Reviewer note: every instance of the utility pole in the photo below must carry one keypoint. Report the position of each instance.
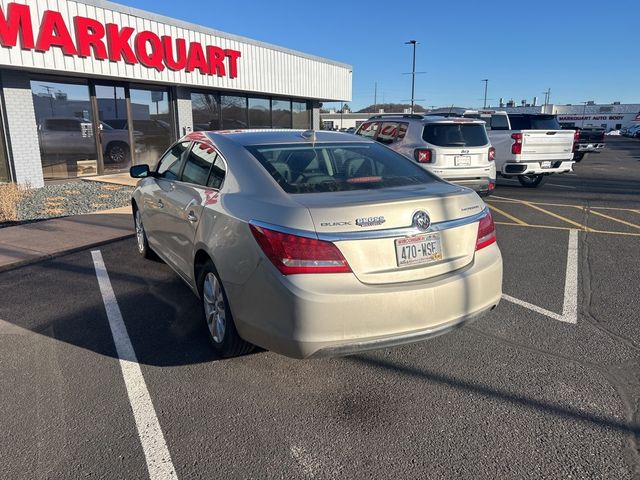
(413, 72)
(375, 97)
(486, 85)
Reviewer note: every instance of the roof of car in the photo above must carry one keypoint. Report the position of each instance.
(262, 137)
(429, 118)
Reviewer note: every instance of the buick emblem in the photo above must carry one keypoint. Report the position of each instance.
(421, 220)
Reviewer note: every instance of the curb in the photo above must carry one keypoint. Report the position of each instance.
(31, 261)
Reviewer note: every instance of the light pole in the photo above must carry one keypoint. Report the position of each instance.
(486, 84)
(413, 72)
(584, 113)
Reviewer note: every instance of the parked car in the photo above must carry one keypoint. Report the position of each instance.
(529, 146)
(631, 130)
(316, 243)
(590, 139)
(455, 149)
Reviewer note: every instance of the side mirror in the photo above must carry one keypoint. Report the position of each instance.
(140, 171)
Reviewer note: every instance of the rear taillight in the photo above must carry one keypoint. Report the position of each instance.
(486, 232)
(516, 148)
(422, 155)
(293, 254)
(576, 140)
(492, 154)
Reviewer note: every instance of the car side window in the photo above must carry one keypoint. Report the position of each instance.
(198, 164)
(217, 174)
(169, 165)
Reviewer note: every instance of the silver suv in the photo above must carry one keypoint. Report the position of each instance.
(455, 149)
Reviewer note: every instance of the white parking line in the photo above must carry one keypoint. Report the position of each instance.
(155, 449)
(563, 186)
(570, 302)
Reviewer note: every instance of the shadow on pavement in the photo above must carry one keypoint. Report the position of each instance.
(557, 410)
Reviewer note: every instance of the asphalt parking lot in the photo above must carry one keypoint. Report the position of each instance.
(547, 386)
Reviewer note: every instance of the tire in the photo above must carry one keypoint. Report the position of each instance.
(578, 156)
(531, 181)
(141, 236)
(221, 330)
(117, 152)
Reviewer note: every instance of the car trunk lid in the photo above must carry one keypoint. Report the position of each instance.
(371, 229)
(547, 144)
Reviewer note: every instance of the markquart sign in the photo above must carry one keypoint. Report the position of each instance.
(113, 43)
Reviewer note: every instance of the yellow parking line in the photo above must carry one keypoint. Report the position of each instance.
(549, 227)
(559, 217)
(616, 219)
(512, 200)
(508, 215)
(533, 226)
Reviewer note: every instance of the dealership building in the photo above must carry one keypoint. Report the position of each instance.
(90, 87)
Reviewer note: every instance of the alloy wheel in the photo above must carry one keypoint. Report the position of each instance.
(139, 232)
(214, 307)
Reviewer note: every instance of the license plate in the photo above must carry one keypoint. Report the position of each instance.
(418, 249)
(462, 160)
(545, 164)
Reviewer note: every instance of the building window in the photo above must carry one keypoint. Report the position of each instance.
(281, 113)
(65, 129)
(206, 111)
(234, 112)
(259, 113)
(151, 124)
(301, 115)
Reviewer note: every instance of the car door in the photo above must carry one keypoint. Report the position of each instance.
(154, 196)
(184, 205)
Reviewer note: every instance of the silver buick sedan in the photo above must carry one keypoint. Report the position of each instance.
(316, 243)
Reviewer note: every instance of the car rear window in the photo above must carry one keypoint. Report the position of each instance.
(338, 167)
(535, 122)
(455, 134)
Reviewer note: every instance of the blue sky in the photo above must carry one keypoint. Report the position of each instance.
(582, 50)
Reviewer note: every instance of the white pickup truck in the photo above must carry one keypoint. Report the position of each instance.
(528, 146)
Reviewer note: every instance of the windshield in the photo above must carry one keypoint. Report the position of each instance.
(455, 134)
(338, 167)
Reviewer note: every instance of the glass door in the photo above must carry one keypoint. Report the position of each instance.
(113, 126)
(151, 122)
(65, 129)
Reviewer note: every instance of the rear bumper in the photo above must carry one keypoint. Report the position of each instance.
(478, 179)
(589, 147)
(535, 168)
(304, 316)
(479, 185)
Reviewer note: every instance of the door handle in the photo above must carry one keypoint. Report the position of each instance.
(192, 217)
(160, 204)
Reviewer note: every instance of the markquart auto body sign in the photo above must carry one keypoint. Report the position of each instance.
(96, 38)
(111, 42)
